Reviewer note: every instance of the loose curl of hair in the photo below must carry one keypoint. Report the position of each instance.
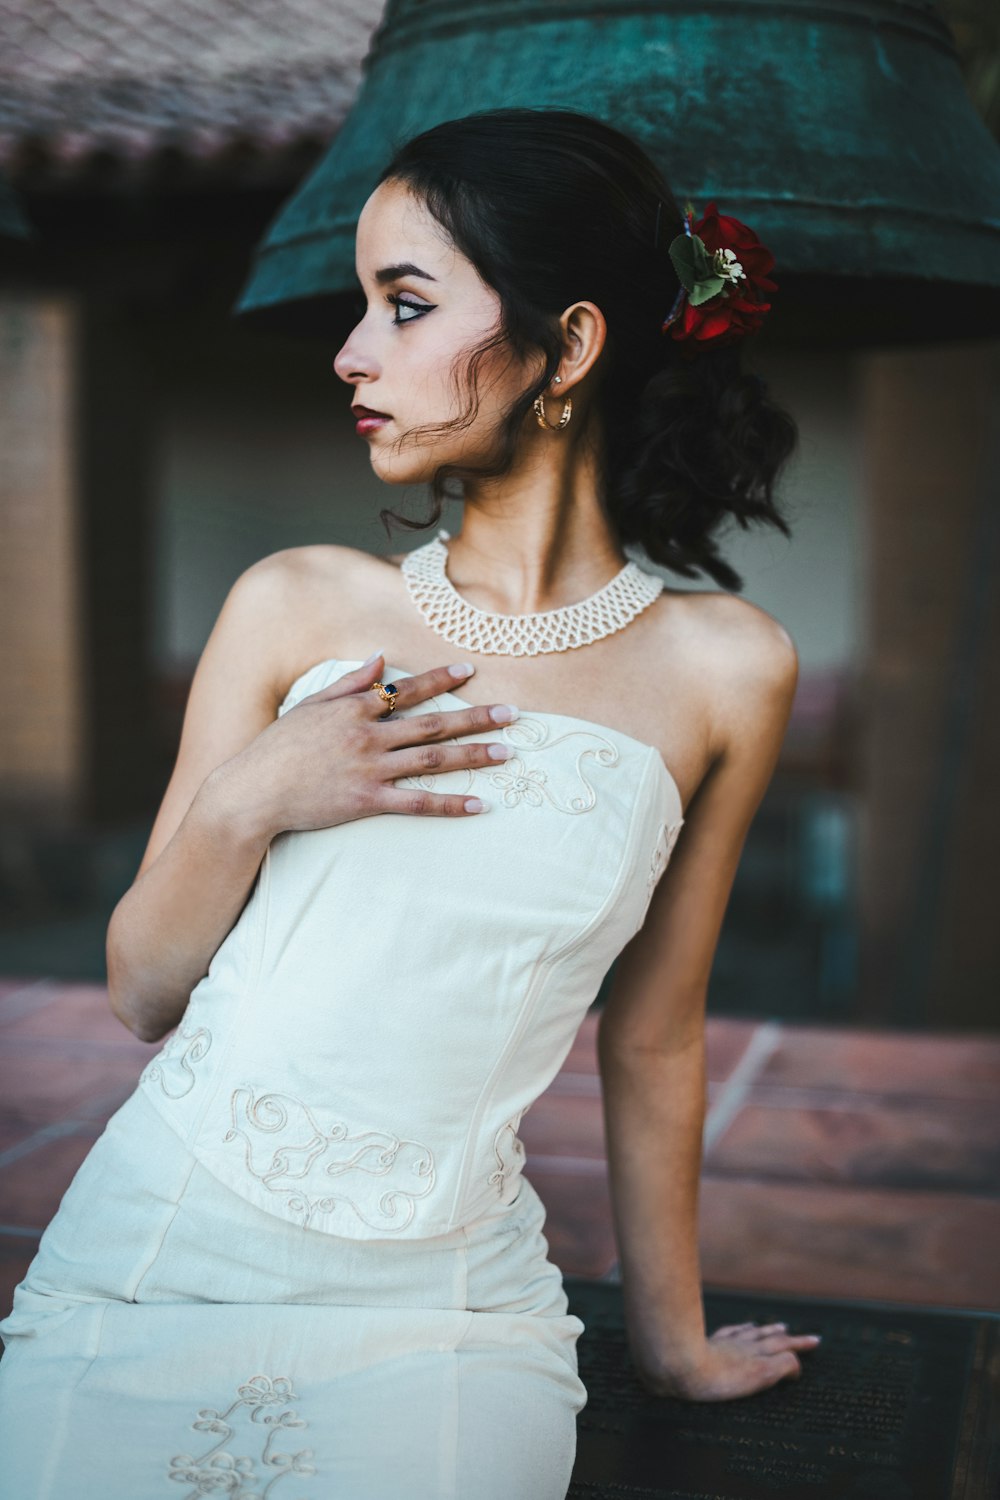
(552, 207)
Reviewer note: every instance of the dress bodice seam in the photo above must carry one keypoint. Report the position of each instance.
(543, 973)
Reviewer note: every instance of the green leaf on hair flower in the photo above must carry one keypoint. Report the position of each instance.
(704, 264)
(682, 259)
(705, 290)
(694, 266)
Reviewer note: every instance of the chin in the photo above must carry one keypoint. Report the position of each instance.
(396, 469)
(410, 467)
(412, 464)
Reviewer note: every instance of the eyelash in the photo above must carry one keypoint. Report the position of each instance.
(401, 302)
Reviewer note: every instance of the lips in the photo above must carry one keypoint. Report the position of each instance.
(367, 411)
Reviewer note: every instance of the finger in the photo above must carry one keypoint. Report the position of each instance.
(760, 1330)
(415, 803)
(749, 1332)
(434, 759)
(421, 685)
(353, 681)
(444, 724)
(789, 1366)
(730, 1328)
(777, 1341)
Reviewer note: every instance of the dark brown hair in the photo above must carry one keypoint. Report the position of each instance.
(552, 207)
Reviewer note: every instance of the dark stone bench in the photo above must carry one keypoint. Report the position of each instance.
(896, 1403)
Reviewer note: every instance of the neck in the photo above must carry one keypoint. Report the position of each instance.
(543, 543)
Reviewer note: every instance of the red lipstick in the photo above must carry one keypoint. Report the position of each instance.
(368, 419)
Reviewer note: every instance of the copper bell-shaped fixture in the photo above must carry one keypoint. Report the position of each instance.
(842, 133)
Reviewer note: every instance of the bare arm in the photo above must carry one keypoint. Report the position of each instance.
(168, 926)
(206, 845)
(242, 776)
(654, 1111)
(651, 1044)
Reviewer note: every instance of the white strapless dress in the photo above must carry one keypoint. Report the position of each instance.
(303, 1260)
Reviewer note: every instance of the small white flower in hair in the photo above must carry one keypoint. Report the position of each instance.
(726, 265)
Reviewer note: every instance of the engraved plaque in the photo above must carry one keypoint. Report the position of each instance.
(896, 1403)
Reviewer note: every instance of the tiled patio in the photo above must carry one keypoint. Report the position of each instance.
(842, 1163)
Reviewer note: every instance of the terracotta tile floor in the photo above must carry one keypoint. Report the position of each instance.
(837, 1163)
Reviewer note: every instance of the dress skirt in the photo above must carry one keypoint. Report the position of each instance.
(170, 1339)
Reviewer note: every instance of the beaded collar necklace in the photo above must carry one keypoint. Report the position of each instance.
(612, 608)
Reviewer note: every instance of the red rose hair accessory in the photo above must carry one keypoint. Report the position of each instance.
(722, 267)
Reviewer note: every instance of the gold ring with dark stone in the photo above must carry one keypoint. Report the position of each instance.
(387, 692)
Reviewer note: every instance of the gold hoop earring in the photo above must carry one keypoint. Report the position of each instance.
(563, 421)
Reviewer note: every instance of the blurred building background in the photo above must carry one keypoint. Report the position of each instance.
(152, 446)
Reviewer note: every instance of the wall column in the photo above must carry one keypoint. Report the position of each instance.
(42, 715)
(931, 725)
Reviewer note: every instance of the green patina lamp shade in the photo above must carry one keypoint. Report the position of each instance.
(843, 134)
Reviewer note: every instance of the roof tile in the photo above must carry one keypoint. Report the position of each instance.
(130, 78)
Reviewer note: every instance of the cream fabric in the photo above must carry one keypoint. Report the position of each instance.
(399, 990)
(168, 1330)
(304, 1253)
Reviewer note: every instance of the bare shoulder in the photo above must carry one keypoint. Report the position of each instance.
(323, 569)
(317, 562)
(745, 638)
(747, 660)
(308, 595)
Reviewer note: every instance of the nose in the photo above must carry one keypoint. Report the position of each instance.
(351, 365)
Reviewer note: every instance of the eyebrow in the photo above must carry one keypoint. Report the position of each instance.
(406, 268)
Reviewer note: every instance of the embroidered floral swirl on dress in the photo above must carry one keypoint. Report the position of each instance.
(518, 783)
(218, 1471)
(514, 1147)
(298, 1166)
(666, 838)
(175, 1064)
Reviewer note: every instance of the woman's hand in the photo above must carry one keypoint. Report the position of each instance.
(736, 1360)
(334, 756)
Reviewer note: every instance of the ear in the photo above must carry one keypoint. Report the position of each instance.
(584, 334)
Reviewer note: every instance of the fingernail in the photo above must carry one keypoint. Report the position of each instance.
(461, 669)
(374, 656)
(503, 713)
(475, 804)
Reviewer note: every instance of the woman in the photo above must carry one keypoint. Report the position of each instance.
(304, 1250)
